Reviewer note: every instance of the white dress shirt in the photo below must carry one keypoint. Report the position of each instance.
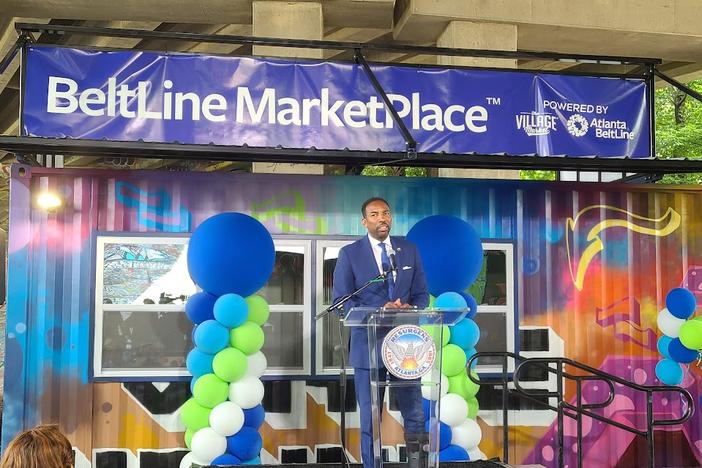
(377, 251)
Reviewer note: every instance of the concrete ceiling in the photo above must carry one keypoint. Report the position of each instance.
(666, 29)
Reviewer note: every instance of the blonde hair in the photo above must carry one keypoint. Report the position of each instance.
(41, 447)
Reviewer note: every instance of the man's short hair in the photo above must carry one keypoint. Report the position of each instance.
(371, 200)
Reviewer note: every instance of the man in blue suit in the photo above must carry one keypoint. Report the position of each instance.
(405, 288)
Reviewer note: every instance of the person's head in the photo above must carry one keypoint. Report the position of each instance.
(41, 447)
(377, 218)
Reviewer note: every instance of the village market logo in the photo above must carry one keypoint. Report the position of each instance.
(408, 352)
(536, 123)
(577, 125)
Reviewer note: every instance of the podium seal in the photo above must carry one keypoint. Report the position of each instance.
(408, 352)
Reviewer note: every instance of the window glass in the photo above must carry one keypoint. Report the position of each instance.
(284, 340)
(146, 273)
(493, 336)
(137, 340)
(286, 284)
(490, 287)
(329, 328)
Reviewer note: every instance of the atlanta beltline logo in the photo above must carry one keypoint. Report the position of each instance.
(578, 123)
(408, 352)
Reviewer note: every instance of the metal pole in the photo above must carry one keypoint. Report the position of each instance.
(505, 414)
(559, 385)
(579, 420)
(649, 430)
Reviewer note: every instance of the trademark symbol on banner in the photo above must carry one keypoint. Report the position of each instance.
(493, 101)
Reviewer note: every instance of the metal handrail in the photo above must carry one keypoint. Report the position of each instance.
(579, 409)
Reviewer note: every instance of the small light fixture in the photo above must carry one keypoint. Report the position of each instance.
(48, 201)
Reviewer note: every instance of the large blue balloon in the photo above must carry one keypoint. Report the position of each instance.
(231, 253)
(451, 252)
(199, 307)
(444, 434)
(680, 353)
(681, 303)
(453, 453)
(211, 337)
(245, 444)
(254, 417)
(663, 344)
(669, 372)
(471, 303)
(465, 334)
(231, 310)
(199, 363)
(226, 459)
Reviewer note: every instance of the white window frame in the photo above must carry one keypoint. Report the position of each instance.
(507, 309)
(170, 372)
(306, 244)
(100, 308)
(319, 287)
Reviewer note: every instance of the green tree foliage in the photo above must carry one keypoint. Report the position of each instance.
(679, 129)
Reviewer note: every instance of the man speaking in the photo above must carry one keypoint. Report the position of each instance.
(404, 287)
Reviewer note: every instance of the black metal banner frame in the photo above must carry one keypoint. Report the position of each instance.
(22, 145)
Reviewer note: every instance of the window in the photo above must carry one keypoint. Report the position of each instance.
(494, 292)
(328, 343)
(142, 284)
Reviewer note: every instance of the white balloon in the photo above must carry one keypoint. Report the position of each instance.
(208, 445)
(226, 418)
(669, 324)
(468, 435)
(428, 388)
(256, 364)
(476, 454)
(246, 392)
(188, 460)
(454, 409)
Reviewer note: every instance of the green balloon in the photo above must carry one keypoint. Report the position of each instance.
(258, 309)
(434, 332)
(189, 437)
(247, 338)
(210, 390)
(691, 334)
(457, 383)
(432, 299)
(194, 416)
(229, 364)
(471, 388)
(453, 360)
(472, 408)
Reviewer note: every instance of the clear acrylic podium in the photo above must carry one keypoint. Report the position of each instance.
(408, 353)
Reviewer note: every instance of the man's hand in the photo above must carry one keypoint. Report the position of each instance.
(397, 305)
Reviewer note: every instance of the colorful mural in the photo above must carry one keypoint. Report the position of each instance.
(594, 263)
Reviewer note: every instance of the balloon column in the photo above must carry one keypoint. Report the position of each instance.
(452, 256)
(681, 341)
(230, 256)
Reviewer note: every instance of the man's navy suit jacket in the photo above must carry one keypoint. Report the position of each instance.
(356, 265)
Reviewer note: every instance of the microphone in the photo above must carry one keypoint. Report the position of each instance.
(391, 257)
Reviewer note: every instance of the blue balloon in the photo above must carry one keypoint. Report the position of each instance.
(453, 453)
(231, 310)
(199, 363)
(254, 417)
(231, 253)
(681, 303)
(450, 300)
(245, 444)
(253, 461)
(663, 344)
(669, 372)
(444, 434)
(199, 307)
(451, 252)
(426, 407)
(680, 353)
(465, 334)
(211, 337)
(226, 459)
(471, 303)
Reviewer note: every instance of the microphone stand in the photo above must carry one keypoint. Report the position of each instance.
(338, 307)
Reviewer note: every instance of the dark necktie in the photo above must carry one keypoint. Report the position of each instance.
(385, 264)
